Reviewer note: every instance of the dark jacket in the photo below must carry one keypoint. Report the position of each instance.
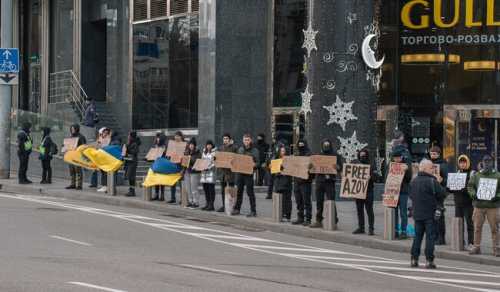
(320, 178)
(46, 145)
(90, 115)
(373, 173)
(263, 148)
(251, 151)
(133, 149)
(24, 141)
(462, 197)
(194, 155)
(303, 151)
(425, 194)
(76, 133)
(474, 184)
(282, 183)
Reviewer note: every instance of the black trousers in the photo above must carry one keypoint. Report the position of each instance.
(287, 204)
(131, 173)
(23, 167)
(160, 191)
(324, 189)
(440, 230)
(245, 181)
(209, 190)
(46, 171)
(367, 204)
(303, 199)
(465, 211)
(271, 185)
(223, 185)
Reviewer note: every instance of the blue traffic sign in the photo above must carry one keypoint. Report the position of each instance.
(9, 60)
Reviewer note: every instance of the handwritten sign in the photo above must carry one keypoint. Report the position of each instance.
(487, 189)
(393, 184)
(242, 164)
(355, 179)
(175, 150)
(185, 160)
(323, 164)
(201, 164)
(69, 144)
(275, 166)
(456, 181)
(155, 153)
(296, 166)
(223, 159)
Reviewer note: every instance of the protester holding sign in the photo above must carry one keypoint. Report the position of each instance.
(302, 190)
(131, 161)
(463, 201)
(361, 204)
(103, 139)
(437, 160)
(76, 172)
(208, 176)
(402, 207)
(484, 189)
(160, 143)
(226, 176)
(246, 180)
(192, 176)
(178, 137)
(283, 185)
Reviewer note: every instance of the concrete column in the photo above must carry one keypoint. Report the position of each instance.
(457, 234)
(389, 223)
(44, 56)
(111, 184)
(277, 207)
(147, 193)
(330, 214)
(184, 196)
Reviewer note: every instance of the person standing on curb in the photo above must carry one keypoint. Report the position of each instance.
(192, 176)
(76, 172)
(426, 193)
(25, 146)
(47, 149)
(246, 180)
(178, 137)
(103, 140)
(208, 176)
(435, 155)
(283, 186)
(484, 208)
(263, 148)
(270, 154)
(364, 158)
(131, 161)
(302, 190)
(160, 142)
(398, 156)
(227, 177)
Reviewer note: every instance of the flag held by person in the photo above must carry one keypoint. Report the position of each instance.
(163, 173)
(107, 159)
(77, 157)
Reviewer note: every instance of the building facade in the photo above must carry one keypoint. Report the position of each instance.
(342, 70)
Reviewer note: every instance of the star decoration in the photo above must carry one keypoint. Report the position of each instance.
(306, 101)
(349, 147)
(310, 39)
(340, 113)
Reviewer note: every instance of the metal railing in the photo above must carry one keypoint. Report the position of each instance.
(66, 88)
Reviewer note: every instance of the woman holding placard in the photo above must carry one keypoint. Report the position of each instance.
(283, 186)
(208, 176)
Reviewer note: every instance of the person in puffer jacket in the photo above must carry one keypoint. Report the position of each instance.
(208, 176)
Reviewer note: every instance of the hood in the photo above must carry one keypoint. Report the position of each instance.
(398, 150)
(26, 127)
(327, 150)
(46, 131)
(466, 158)
(75, 130)
(303, 151)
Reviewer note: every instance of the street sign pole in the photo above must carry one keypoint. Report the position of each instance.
(5, 91)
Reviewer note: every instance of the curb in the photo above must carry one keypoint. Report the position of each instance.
(256, 223)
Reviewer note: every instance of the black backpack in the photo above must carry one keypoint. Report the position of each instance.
(53, 149)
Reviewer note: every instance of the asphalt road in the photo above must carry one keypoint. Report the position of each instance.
(50, 244)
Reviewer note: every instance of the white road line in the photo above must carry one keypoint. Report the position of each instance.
(346, 259)
(95, 287)
(458, 281)
(71, 240)
(207, 269)
(436, 271)
(249, 238)
(289, 248)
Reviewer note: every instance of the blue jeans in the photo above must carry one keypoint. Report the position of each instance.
(402, 210)
(424, 227)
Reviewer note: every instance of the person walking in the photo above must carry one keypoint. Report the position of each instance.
(485, 207)
(76, 172)
(283, 186)
(208, 176)
(435, 156)
(131, 161)
(47, 149)
(302, 190)
(325, 185)
(246, 180)
(399, 156)
(227, 176)
(178, 137)
(361, 205)
(426, 193)
(24, 148)
(192, 176)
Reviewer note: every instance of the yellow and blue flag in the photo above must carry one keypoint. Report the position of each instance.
(163, 173)
(107, 159)
(76, 157)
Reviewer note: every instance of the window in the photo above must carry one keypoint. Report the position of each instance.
(158, 8)
(140, 10)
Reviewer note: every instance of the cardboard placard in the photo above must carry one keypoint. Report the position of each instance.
(69, 144)
(323, 164)
(275, 166)
(185, 160)
(487, 189)
(242, 164)
(155, 153)
(456, 181)
(175, 150)
(223, 159)
(296, 166)
(355, 178)
(393, 184)
(201, 164)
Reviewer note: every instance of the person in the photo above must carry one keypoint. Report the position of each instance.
(160, 142)
(47, 149)
(426, 193)
(271, 153)
(485, 209)
(364, 158)
(402, 207)
(283, 186)
(435, 156)
(325, 185)
(227, 177)
(24, 148)
(208, 176)
(263, 148)
(246, 180)
(192, 176)
(463, 202)
(103, 140)
(76, 172)
(178, 137)
(131, 161)
(302, 190)
(90, 114)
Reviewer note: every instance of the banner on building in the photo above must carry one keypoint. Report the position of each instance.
(296, 166)
(456, 181)
(242, 164)
(223, 159)
(175, 150)
(323, 164)
(487, 189)
(393, 184)
(355, 178)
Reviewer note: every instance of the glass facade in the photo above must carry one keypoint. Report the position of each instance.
(165, 73)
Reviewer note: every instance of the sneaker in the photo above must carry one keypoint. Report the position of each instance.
(102, 190)
(306, 223)
(70, 187)
(403, 236)
(430, 264)
(210, 209)
(298, 222)
(235, 212)
(221, 210)
(43, 182)
(475, 250)
(316, 225)
(371, 232)
(285, 220)
(92, 186)
(359, 231)
(269, 197)
(171, 202)
(79, 188)
(205, 208)
(414, 262)
(252, 214)
(195, 205)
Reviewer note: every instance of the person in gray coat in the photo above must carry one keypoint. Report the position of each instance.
(208, 176)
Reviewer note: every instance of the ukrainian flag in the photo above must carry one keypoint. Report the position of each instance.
(107, 159)
(163, 173)
(76, 157)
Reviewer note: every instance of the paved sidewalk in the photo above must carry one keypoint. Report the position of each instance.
(346, 210)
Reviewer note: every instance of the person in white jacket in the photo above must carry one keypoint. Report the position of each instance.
(208, 176)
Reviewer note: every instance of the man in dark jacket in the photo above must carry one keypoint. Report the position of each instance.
(246, 180)
(76, 172)
(24, 148)
(302, 190)
(227, 177)
(263, 148)
(435, 155)
(90, 115)
(325, 185)
(426, 193)
(364, 158)
(131, 161)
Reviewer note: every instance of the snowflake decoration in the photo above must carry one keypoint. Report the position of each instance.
(340, 113)
(349, 147)
(306, 101)
(379, 162)
(310, 39)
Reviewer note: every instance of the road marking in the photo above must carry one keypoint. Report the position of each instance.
(71, 240)
(435, 271)
(207, 269)
(346, 259)
(458, 281)
(249, 238)
(102, 288)
(318, 250)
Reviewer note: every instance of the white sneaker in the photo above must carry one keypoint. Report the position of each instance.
(103, 190)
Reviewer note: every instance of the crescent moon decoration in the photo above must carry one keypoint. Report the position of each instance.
(369, 55)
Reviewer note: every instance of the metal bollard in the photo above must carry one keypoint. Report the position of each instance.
(184, 196)
(111, 184)
(147, 193)
(330, 211)
(457, 234)
(389, 223)
(277, 207)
